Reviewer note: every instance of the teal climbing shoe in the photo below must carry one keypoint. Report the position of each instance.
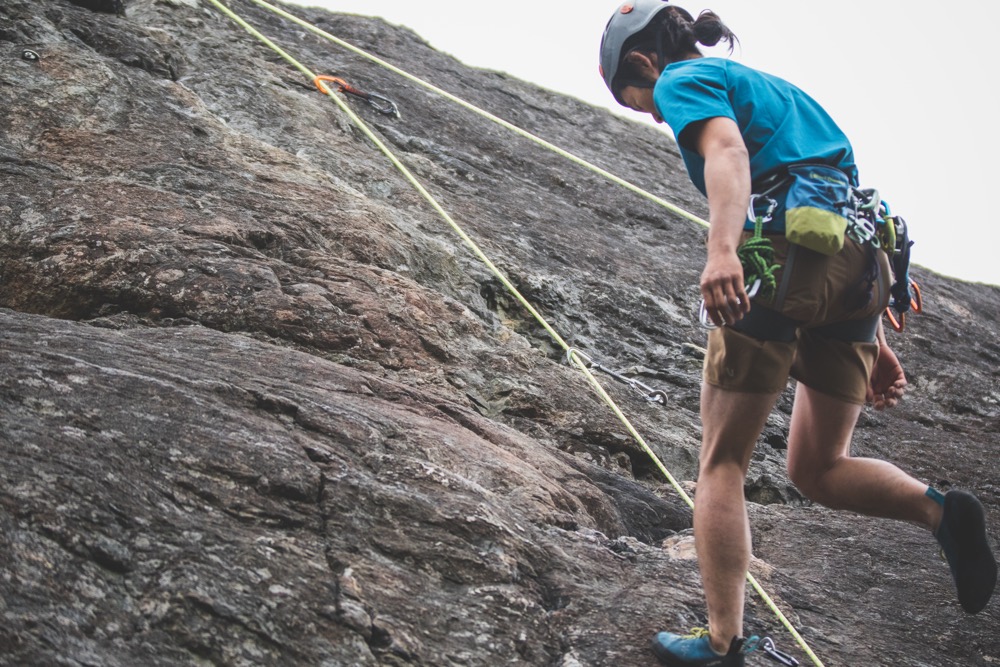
(962, 536)
(695, 650)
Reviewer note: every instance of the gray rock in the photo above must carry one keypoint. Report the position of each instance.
(260, 405)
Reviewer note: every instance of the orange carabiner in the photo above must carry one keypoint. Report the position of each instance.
(897, 325)
(318, 82)
(916, 301)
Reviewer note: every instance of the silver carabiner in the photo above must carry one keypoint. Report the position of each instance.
(383, 105)
(657, 396)
(707, 322)
(752, 209)
(588, 362)
(862, 230)
(780, 657)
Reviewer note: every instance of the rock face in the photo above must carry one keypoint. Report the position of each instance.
(260, 405)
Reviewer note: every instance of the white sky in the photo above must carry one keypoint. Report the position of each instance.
(911, 82)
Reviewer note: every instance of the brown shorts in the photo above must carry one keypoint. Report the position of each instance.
(819, 327)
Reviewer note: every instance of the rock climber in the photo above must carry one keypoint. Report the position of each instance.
(741, 132)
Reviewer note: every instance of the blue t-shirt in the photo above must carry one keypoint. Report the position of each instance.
(780, 124)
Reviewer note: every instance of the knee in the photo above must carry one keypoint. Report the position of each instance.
(724, 454)
(723, 462)
(810, 480)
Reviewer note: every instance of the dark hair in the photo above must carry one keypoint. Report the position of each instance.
(674, 34)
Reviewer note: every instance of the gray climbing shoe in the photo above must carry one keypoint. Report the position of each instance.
(962, 536)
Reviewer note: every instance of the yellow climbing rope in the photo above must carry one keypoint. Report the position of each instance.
(576, 358)
(485, 114)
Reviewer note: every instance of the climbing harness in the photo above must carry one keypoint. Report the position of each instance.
(651, 395)
(866, 220)
(575, 356)
(381, 104)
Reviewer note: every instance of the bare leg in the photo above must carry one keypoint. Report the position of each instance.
(820, 465)
(731, 423)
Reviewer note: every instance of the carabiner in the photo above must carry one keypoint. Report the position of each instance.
(383, 105)
(768, 213)
(657, 396)
(703, 318)
(780, 657)
(862, 229)
(870, 199)
(897, 325)
(916, 301)
(916, 305)
(707, 322)
(587, 361)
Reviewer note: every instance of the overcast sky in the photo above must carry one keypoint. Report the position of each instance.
(911, 83)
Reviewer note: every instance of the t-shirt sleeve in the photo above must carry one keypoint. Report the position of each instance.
(690, 95)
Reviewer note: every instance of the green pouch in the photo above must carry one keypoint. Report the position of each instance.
(817, 207)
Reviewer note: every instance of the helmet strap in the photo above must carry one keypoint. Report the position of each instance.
(635, 83)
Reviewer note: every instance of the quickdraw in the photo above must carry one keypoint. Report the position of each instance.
(381, 104)
(651, 395)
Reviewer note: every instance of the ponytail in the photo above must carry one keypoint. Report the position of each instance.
(709, 30)
(678, 33)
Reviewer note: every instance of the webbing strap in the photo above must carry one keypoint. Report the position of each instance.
(577, 359)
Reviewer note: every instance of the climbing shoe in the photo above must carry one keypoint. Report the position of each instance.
(962, 536)
(696, 649)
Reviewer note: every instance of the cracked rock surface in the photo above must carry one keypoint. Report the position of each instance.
(260, 405)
